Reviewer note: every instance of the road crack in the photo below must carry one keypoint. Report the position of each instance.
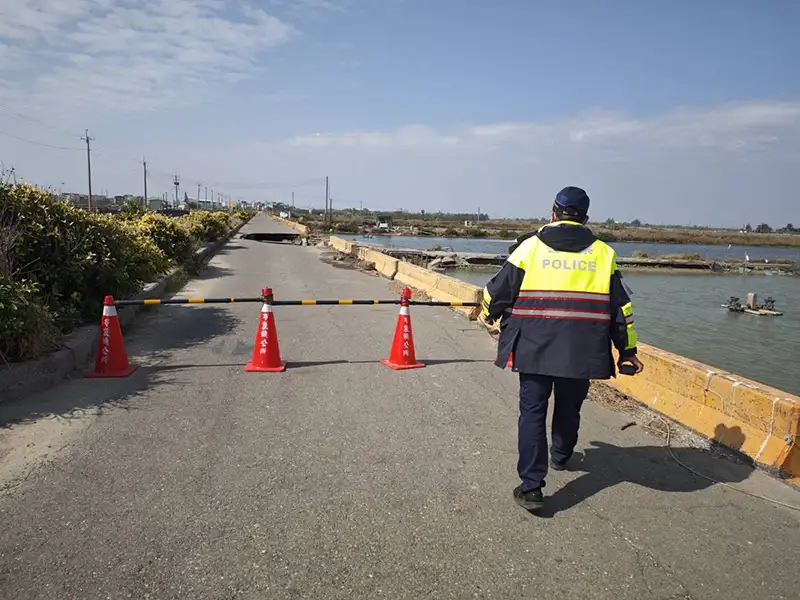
(643, 555)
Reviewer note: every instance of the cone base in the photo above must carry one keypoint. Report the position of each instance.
(115, 374)
(251, 368)
(399, 367)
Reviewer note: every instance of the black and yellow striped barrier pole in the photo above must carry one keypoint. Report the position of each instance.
(368, 302)
(267, 297)
(159, 302)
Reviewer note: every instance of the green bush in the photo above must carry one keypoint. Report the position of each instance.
(244, 214)
(27, 327)
(57, 261)
(74, 257)
(207, 226)
(173, 238)
(605, 236)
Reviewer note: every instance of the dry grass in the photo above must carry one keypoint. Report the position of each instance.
(646, 235)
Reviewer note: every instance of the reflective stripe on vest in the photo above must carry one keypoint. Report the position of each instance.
(566, 285)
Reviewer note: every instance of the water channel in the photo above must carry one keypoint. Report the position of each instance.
(681, 313)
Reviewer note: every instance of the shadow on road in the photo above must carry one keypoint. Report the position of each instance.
(606, 465)
(169, 328)
(302, 364)
(212, 272)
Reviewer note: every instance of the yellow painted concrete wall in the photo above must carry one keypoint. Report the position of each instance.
(759, 421)
(417, 277)
(385, 265)
(292, 224)
(342, 245)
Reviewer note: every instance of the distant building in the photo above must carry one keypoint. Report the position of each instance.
(385, 222)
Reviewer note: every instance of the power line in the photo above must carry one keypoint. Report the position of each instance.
(228, 185)
(22, 117)
(21, 139)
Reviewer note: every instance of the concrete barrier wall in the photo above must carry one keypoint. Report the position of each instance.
(385, 265)
(338, 244)
(421, 279)
(757, 420)
(292, 224)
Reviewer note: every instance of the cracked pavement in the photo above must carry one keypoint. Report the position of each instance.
(343, 479)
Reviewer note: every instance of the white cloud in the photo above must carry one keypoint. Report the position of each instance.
(310, 6)
(717, 165)
(738, 126)
(125, 55)
(726, 164)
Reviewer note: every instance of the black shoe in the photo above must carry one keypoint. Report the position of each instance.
(558, 465)
(532, 500)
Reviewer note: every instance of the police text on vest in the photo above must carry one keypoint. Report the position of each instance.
(570, 265)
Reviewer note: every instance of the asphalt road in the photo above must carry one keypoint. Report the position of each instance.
(343, 479)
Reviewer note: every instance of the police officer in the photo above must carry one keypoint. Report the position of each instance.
(564, 304)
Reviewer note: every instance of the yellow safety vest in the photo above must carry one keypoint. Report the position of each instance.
(564, 285)
(561, 322)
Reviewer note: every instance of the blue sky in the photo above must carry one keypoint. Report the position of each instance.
(668, 112)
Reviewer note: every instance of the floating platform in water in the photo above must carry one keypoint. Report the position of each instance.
(762, 312)
(752, 308)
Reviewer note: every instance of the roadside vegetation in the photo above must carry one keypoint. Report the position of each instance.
(58, 262)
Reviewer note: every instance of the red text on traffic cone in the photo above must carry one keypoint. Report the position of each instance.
(112, 360)
(402, 355)
(266, 351)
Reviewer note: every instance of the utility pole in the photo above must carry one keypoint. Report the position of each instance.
(198, 193)
(88, 139)
(177, 184)
(206, 196)
(479, 214)
(327, 216)
(292, 199)
(144, 163)
(212, 198)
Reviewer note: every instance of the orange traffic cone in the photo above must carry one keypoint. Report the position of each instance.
(112, 360)
(266, 352)
(402, 355)
(510, 363)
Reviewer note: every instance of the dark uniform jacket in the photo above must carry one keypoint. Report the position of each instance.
(555, 347)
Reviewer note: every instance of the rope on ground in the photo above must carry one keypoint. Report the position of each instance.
(712, 480)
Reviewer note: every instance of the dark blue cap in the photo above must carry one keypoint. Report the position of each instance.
(573, 200)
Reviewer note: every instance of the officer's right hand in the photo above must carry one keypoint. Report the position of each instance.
(632, 360)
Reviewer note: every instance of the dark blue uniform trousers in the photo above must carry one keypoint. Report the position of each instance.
(534, 394)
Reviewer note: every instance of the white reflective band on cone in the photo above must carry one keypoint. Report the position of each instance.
(109, 311)
(404, 311)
